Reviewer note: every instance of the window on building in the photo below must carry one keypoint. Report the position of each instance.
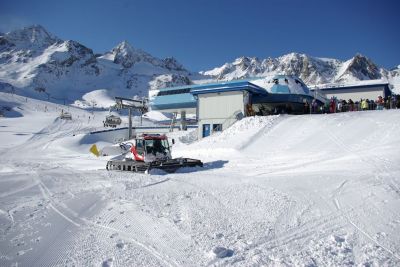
(174, 92)
(217, 127)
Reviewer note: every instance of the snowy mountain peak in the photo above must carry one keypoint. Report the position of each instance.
(244, 60)
(293, 56)
(363, 68)
(124, 54)
(127, 56)
(123, 48)
(32, 36)
(244, 63)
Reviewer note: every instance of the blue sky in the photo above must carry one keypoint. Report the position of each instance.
(204, 34)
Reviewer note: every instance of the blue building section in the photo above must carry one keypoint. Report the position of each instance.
(175, 98)
(240, 85)
(183, 97)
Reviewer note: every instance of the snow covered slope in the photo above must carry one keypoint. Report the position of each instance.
(315, 190)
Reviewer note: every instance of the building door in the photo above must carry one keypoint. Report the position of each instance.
(206, 130)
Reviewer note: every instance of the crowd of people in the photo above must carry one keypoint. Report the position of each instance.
(340, 105)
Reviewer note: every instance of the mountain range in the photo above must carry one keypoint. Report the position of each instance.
(36, 63)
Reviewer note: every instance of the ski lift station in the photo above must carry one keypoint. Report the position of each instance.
(218, 105)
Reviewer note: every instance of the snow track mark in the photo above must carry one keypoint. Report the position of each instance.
(359, 229)
(47, 196)
(126, 236)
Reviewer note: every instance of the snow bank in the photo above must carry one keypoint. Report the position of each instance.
(226, 143)
(157, 116)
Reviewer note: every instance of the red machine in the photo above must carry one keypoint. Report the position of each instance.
(151, 151)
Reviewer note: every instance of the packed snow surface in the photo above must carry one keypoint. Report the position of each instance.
(312, 190)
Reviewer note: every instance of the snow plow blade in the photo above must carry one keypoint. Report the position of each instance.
(170, 165)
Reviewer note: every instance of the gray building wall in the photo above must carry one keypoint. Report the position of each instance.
(355, 94)
(219, 108)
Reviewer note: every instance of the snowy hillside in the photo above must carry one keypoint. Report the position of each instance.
(40, 65)
(310, 190)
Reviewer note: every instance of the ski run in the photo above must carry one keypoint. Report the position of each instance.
(307, 190)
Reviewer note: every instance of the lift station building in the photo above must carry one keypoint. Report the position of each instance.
(219, 105)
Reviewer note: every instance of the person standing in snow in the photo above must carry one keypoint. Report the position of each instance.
(364, 104)
(306, 107)
(326, 107)
(351, 104)
(394, 100)
(332, 105)
(339, 106)
(379, 103)
(314, 106)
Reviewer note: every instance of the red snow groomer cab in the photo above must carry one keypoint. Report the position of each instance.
(151, 151)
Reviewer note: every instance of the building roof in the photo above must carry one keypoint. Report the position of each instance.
(361, 87)
(284, 84)
(238, 85)
(173, 101)
(359, 84)
(205, 85)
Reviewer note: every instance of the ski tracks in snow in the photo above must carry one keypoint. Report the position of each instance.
(381, 167)
(359, 229)
(84, 225)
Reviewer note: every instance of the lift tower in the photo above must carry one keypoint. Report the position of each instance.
(132, 104)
